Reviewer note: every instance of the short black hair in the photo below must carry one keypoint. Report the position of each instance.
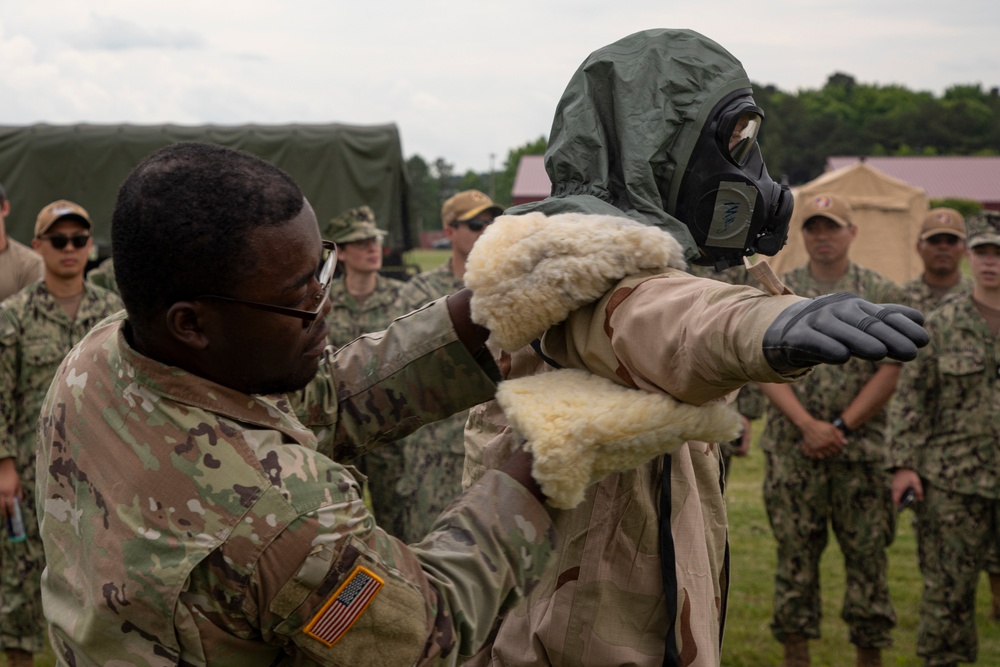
(181, 219)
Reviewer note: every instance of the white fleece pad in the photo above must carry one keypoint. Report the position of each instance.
(581, 427)
(528, 272)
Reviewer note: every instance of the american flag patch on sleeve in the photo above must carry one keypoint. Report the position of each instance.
(345, 606)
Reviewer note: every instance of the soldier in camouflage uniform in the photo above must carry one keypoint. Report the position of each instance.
(941, 247)
(944, 432)
(825, 460)
(642, 136)
(363, 301)
(189, 518)
(38, 326)
(434, 455)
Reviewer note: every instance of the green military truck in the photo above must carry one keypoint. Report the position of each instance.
(337, 166)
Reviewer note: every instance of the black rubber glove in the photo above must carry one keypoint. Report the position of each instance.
(831, 329)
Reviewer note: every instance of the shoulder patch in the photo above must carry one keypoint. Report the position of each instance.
(345, 606)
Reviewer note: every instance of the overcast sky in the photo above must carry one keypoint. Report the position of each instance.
(462, 80)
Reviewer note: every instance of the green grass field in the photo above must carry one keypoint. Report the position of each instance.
(748, 639)
(427, 259)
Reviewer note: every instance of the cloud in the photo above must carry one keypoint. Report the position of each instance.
(108, 33)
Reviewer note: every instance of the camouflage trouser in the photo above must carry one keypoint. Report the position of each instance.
(956, 531)
(802, 497)
(22, 624)
(432, 474)
(383, 467)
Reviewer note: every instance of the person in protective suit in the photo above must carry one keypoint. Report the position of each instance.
(654, 162)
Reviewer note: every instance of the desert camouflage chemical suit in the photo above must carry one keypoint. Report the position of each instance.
(35, 335)
(945, 424)
(750, 402)
(796, 488)
(433, 456)
(624, 590)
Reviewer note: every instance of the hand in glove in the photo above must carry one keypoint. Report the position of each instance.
(831, 329)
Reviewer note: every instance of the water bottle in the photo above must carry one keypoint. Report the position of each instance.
(15, 523)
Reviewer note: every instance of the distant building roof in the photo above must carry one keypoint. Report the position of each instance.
(531, 183)
(961, 177)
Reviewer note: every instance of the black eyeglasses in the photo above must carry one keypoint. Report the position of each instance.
(474, 225)
(59, 241)
(309, 317)
(949, 239)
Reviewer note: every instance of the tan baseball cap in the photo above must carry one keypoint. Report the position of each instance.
(826, 206)
(465, 206)
(942, 221)
(58, 210)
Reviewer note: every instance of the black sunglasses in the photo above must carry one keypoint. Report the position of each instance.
(474, 225)
(59, 241)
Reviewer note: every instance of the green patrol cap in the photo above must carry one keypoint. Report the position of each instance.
(354, 224)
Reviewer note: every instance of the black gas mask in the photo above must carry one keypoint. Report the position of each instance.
(726, 198)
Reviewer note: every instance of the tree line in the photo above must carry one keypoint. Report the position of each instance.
(801, 130)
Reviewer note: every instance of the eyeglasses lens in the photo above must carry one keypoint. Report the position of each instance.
(325, 278)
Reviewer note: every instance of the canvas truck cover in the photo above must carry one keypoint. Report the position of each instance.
(337, 166)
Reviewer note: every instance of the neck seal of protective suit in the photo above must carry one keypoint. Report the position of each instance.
(726, 198)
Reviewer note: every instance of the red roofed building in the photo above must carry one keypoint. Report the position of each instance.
(942, 177)
(531, 183)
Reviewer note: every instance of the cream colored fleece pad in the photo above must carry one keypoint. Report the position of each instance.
(581, 427)
(528, 272)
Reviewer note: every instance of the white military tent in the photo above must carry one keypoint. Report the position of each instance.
(887, 212)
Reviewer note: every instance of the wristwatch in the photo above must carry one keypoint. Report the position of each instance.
(839, 423)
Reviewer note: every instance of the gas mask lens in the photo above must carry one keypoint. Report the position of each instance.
(738, 132)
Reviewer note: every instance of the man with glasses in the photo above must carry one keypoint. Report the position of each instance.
(38, 326)
(433, 456)
(189, 517)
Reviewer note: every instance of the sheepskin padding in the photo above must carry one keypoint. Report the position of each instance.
(528, 272)
(580, 427)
